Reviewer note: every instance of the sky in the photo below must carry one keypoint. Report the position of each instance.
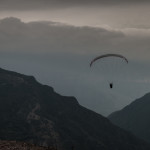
(56, 40)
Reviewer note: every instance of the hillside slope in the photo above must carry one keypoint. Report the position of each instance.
(35, 113)
(135, 117)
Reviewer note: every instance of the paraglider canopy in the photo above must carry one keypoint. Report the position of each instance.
(110, 67)
(108, 55)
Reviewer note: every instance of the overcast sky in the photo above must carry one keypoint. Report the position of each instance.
(55, 41)
(116, 13)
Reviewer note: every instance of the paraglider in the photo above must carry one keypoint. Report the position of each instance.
(110, 63)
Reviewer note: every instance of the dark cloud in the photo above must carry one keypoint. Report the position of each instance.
(51, 36)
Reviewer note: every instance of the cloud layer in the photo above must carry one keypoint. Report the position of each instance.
(53, 37)
(50, 4)
(56, 37)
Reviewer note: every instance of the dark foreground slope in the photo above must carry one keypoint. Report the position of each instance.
(135, 117)
(32, 112)
(14, 145)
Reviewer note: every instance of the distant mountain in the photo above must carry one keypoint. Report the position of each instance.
(32, 112)
(135, 117)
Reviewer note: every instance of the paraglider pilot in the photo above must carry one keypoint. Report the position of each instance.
(111, 85)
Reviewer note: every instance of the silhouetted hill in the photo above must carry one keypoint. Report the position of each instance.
(135, 117)
(32, 112)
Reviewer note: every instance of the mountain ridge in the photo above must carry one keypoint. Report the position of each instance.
(35, 113)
